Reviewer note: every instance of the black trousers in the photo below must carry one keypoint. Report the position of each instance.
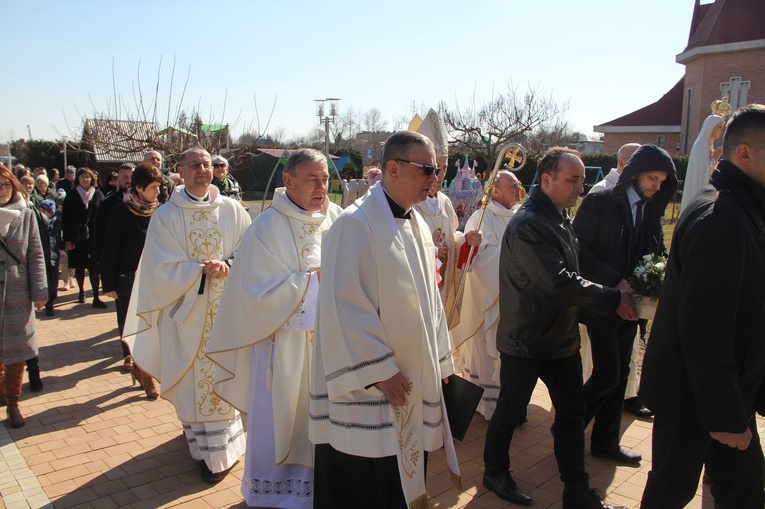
(604, 391)
(345, 481)
(738, 477)
(563, 378)
(121, 305)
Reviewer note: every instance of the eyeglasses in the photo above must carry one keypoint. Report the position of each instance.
(426, 169)
(206, 166)
(219, 165)
(6, 186)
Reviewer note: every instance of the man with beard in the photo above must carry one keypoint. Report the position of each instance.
(616, 227)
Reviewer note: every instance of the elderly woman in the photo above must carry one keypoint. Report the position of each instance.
(222, 179)
(123, 245)
(77, 223)
(22, 290)
(41, 191)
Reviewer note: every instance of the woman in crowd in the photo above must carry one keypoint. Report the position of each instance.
(224, 181)
(41, 191)
(23, 289)
(77, 222)
(121, 251)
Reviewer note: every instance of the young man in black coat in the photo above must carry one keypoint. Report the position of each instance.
(616, 227)
(705, 360)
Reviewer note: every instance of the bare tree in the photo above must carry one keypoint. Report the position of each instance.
(151, 118)
(345, 128)
(482, 127)
(373, 121)
(555, 133)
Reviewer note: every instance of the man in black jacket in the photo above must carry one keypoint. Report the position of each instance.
(616, 227)
(538, 332)
(706, 357)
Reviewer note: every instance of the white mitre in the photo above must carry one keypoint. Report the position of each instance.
(434, 128)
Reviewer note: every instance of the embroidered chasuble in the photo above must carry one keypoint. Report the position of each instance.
(438, 212)
(262, 341)
(479, 313)
(172, 308)
(379, 313)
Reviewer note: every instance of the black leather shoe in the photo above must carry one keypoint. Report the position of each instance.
(620, 455)
(587, 498)
(97, 303)
(214, 477)
(637, 408)
(506, 489)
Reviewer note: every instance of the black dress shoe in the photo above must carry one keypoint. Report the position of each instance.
(620, 455)
(99, 304)
(506, 489)
(214, 477)
(637, 408)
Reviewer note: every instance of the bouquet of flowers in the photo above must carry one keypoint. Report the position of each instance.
(648, 276)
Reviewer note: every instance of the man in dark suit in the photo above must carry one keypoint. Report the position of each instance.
(616, 227)
(706, 356)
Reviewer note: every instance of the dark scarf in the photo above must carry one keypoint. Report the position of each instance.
(222, 184)
(137, 206)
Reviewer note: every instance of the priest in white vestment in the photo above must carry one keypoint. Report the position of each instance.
(382, 345)
(189, 247)
(263, 333)
(439, 214)
(479, 313)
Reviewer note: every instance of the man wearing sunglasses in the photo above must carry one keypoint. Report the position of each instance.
(381, 347)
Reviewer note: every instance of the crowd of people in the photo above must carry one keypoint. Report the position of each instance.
(331, 329)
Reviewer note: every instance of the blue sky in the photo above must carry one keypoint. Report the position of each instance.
(605, 57)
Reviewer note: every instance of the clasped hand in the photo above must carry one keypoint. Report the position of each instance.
(215, 269)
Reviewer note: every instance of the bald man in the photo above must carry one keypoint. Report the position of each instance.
(167, 186)
(622, 156)
(479, 315)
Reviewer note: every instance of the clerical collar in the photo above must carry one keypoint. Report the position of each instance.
(397, 210)
(298, 207)
(196, 198)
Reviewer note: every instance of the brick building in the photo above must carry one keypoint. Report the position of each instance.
(725, 52)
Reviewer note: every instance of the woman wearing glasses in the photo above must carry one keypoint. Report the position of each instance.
(23, 289)
(222, 179)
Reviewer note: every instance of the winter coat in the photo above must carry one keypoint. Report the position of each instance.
(605, 228)
(539, 284)
(705, 359)
(74, 213)
(20, 286)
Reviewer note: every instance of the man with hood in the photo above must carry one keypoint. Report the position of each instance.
(616, 227)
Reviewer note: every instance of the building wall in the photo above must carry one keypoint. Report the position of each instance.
(704, 75)
(614, 141)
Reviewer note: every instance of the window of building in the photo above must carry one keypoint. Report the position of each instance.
(661, 140)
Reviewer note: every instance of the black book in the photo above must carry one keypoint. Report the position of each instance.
(461, 397)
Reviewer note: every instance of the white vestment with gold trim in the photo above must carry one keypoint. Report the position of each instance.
(172, 311)
(262, 345)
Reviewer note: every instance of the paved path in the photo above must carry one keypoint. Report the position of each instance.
(93, 441)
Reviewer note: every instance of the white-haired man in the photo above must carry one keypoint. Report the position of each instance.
(264, 330)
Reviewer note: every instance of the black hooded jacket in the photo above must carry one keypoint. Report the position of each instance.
(604, 222)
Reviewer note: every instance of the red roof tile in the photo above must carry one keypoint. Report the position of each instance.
(727, 21)
(667, 111)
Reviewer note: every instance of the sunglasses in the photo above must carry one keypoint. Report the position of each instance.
(427, 170)
(219, 165)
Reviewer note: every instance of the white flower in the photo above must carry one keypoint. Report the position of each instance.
(648, 257)
(660, 266)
